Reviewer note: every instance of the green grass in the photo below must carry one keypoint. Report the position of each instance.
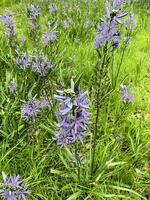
(121, 171)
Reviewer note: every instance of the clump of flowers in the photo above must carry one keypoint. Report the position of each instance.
(32, 108)
(49, 37)
(109, 32)
(67, 23)
(33, 15)
(12, 87)
(41, 65)
(126, 96)
(73, 116)
(8, 24)
(13, 188)
(53, 9)
(23, 62)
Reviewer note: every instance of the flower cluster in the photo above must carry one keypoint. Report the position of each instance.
(13, 188)
(126, 97)
(108, 34)
(53, 9)
(12, 87)
(67, 23)
(42, 66)
(32, 108)
(23, 62)
(39, 64)
(49, 37)
(108, 31)
(33, 14)
(73, 116)
(8, 24)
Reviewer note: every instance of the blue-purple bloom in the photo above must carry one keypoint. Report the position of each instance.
(33, 12)
(73, 116)
(130, 23)
(53, 9)
(30, 110)
(8, 24)
(33, 15)
(49, 37)
(42, 66)
(126, 96)
(12, 87)
(13, 188)
(109, 32)
(67, 23)
(23, 62)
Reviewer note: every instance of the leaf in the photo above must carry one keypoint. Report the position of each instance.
(74, 196)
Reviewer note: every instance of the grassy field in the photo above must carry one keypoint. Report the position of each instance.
(121, 149)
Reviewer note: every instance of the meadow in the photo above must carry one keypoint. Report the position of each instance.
(74, 99)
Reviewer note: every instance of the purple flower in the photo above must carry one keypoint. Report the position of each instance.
(8, 24)
(73, 116)
(30, 110)
(126, 97)
(23, 62)
(13, 188)
(45, 102)
(12, 87)
(119, 3)
(53, 9)
(49, 37)
(33, 12)
(67, 23)
(108, 34)
(130, 23)
(42, 66)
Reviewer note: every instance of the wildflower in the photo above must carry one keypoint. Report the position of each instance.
(8, 24)
(13, 188)
(53, 9)
(45, 102)
(49, 37)
(109, 30)
(126, 97)
(42, 66)
(30, 109)
(130, 23)
(23, 62)
(33, 12)
(67, 23)
(12, 87)
(108, 34)
(73, 116)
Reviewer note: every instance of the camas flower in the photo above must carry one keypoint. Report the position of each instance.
(12, 87)
(126, 97)
(13, 188)
(23, 62)
(42, 66)
(73, 116)
(8, 24)
(30, 110)
(130, 23)
(33, 12)
(67, 23)
(49, 37)
(109, 32)
(53, 9)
